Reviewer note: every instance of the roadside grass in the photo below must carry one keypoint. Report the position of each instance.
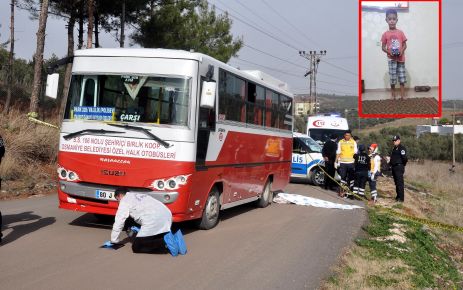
(445, 198)
(31, 149)
(379, 261)
(409, 255)
(443, 189)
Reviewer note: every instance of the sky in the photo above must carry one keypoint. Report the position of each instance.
(274, 32)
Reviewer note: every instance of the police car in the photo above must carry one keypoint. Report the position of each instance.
(307, 154)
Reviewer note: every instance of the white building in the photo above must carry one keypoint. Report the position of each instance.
(438, 129)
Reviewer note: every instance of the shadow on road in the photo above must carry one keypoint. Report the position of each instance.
(106, 222)
(26, 227)
(191, 226)
(94, 221)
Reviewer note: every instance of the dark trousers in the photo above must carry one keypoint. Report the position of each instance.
(360, 182)
(150, 244)
(329, 171)
(398, 175)
(346, 171)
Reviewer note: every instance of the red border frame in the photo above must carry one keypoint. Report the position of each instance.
(439, 114)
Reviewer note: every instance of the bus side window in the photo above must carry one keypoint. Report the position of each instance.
(89, 90)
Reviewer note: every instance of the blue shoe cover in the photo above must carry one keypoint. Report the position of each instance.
(171, 243)
(180, 242)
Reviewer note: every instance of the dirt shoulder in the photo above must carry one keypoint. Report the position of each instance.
(398, 253)
(41, 184)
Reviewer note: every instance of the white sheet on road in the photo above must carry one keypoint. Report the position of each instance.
(305, 200)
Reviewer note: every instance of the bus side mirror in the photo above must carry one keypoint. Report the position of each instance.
(52, 86)
(208, 95)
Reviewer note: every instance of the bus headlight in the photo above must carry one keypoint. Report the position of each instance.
(170, 183)
(66, 174)
(160, 184)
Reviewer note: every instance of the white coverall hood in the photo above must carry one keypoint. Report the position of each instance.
(153, 216)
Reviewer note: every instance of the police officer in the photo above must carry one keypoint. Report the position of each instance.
(329, 155)
(398, 162)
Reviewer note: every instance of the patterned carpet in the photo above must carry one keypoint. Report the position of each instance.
(398, 106)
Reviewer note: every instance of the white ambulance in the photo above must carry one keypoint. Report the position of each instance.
(321, 127)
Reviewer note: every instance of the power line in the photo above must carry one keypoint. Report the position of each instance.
(277, 39)
(289, 23)
(290, 73)
(269, 68)
(238, 13)
(266, 53)
(268, 22)
(336, 77)
(295, 64)
(341, 57)
(258, 29)
(341, 68)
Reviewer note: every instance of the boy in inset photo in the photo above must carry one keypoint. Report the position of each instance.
(394, 44)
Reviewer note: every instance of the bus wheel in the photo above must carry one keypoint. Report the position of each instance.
(266, 196)
(210, 216)
(318, 177)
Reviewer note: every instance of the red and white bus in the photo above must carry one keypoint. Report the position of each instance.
(185, 128)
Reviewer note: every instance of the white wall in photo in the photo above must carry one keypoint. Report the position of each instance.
(420, 23)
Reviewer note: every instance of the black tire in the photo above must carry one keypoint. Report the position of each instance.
(266, 196)
(318, 177)
(210, 217)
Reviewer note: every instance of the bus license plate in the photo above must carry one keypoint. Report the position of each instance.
(104, 194)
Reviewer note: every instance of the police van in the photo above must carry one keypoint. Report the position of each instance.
(321, 127)
(307, 155)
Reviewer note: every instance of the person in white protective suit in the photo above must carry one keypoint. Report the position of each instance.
(374, 170)
(153, 216)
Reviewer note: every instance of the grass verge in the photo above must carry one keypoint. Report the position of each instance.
(395, 254)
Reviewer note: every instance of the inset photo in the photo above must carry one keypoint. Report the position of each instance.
(400, 59)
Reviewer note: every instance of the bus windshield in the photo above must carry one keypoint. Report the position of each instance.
(323, 135)
(129, 98)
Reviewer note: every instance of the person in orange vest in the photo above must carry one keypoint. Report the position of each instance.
(347, 147)
(374, 170)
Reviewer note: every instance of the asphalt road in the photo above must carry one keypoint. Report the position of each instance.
(283, 246)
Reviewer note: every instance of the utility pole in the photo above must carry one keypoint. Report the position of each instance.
(314, 59)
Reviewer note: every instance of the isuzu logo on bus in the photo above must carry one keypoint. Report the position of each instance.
(112, 172)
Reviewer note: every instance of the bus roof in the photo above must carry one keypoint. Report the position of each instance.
(140, 52)
(254, 75)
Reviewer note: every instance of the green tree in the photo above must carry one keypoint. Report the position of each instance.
(188, 25)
